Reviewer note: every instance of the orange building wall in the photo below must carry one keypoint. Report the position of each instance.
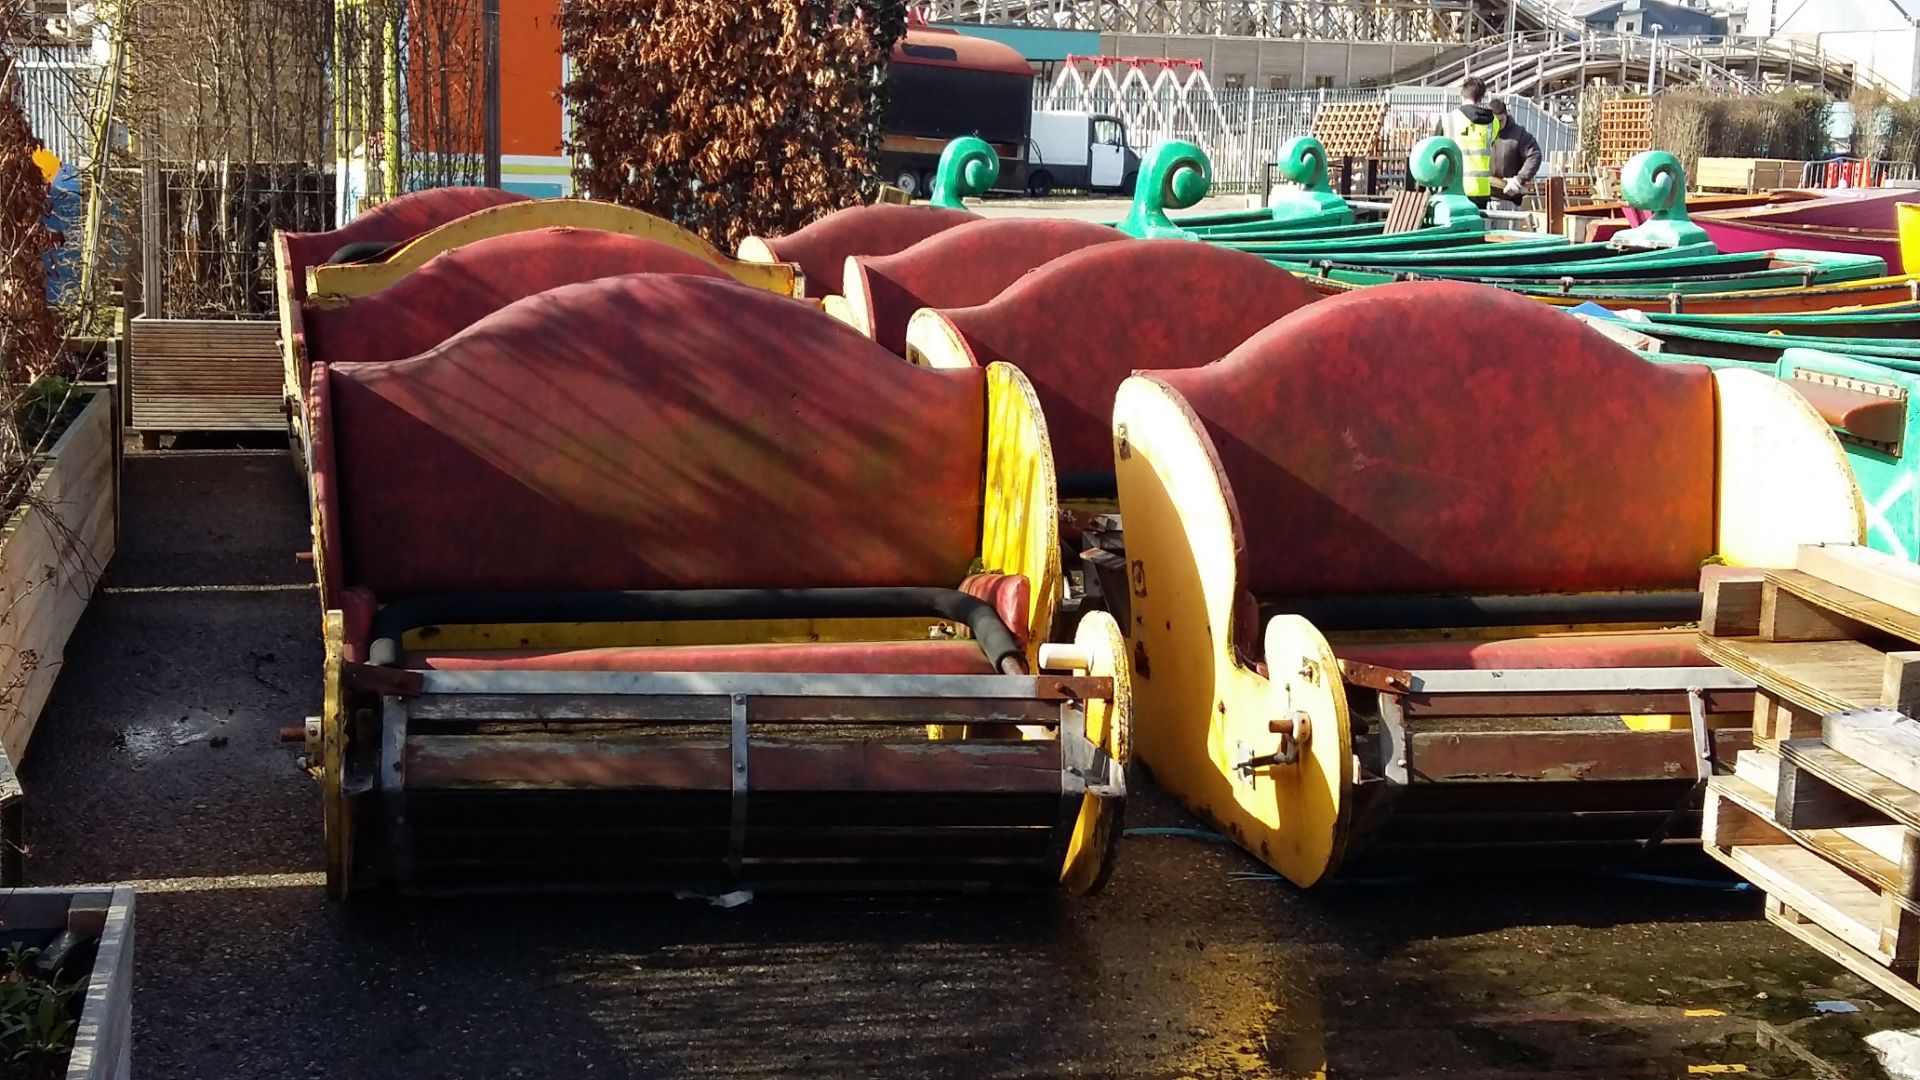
(530, 73)
(451, 85)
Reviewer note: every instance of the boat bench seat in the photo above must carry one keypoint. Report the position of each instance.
(625, 455)
(1081, 324)
(1366, 454)
(456, 289)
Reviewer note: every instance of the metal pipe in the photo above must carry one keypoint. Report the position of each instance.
(675, 605)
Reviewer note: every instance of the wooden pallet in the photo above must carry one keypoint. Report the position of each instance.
(1824, 813)
(1815, 645)
(1350, 129)
(204, 375)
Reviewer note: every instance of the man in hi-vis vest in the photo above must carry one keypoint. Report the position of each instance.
(1474, 127)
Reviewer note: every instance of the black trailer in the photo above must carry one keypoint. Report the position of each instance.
(941, 85)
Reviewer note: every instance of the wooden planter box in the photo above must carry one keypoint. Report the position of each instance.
(103, 1041)
(53, 550)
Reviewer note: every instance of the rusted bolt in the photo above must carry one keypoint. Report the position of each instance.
(303, 557)
(293, 733)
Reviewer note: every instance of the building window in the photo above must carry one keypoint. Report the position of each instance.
(1280, 82)
(1236, 81)
(1323, 82)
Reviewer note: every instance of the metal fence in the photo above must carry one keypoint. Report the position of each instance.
(1244, 130)
(57, 87)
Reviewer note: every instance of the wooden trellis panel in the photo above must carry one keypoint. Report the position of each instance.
(1350, 129)
(1626, 129)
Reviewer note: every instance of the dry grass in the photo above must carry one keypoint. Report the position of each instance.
(1691, 124)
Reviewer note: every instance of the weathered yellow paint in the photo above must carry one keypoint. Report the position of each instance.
(294, 393)
(337, 811)
(933, 342)
(1908, 217)
(452, 638)
(1019, 528)
(1199, 709)
(857, 305)
(755, 249)
(1783, 478)
(352, 280)
(836, 308)
(1096, 833)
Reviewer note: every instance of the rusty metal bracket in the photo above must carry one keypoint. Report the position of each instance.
(737, 816)
(392, 782)
(1396, 749)
(1375, 677)
(385, 681)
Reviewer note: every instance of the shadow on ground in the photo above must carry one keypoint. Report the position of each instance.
(159, 761)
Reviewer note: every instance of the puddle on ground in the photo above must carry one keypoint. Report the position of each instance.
(146, 741)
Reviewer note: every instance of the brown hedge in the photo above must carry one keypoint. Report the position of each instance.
(729, 118)
(30, 339)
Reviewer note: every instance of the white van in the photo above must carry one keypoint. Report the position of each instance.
(1079, 150)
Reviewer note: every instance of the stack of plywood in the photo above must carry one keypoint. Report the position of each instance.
(1824, 813)
(1748, 175)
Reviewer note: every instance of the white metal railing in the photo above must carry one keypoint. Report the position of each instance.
(1526, 62)
(1243, 130)
(56, 86)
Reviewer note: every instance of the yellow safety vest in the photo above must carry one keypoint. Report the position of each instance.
(1476, 153)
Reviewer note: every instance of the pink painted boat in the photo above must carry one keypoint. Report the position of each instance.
(1857, 221)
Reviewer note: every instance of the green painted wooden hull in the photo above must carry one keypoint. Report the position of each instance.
(1719, 274)
(1594, 263)
(1889, 321)
(1431, 244)
(1747, 345)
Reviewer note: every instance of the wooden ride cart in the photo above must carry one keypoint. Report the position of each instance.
(1399, 562)
(400, 298)
(821, 249)
(1078, 326)
(664, 582)
(966, 265)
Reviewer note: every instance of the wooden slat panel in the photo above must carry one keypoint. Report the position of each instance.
(205, 375)
(51, 556)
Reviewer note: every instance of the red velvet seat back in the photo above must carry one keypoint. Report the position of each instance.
(650, 431)
(821, 249)
(456, 289)
(1081, 324)
(963, 266)
(392, 222)
(1445, 437)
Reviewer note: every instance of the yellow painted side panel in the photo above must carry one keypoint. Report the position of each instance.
(836, 308)
(1908, 216)
(857, 310)
(1198, 712)
(1783, 477)
(933, 342)
(1019, 529)
(361, 279)
(1096, 833)
(337, 811)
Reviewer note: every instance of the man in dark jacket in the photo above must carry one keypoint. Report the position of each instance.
(1516, 159)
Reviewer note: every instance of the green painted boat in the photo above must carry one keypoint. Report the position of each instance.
(1884, 321)
(1705, 272)
(1750, 347)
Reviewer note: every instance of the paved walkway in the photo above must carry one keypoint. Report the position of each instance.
(159, 762)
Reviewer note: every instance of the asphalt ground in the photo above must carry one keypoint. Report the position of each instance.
(158, 762)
